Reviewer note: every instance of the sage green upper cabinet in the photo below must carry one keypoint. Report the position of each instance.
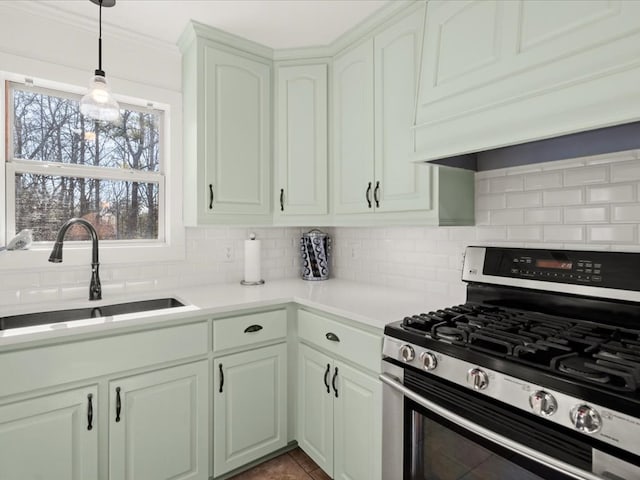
(227, 134)
(353, 173)
(374, 97)
(301, 141)
(50, 436)
(496, 73)
(158, 425)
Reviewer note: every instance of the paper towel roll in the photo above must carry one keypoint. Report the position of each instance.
(252, 260)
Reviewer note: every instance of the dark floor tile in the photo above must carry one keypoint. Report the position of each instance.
(318, 474)
(303, 460)
(280, 468)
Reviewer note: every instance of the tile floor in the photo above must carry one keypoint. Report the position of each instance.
(293, 465)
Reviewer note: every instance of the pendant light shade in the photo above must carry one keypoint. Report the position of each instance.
(99, 103)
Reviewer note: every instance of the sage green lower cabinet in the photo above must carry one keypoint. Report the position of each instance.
(159, 425)
(249, 406)
(339, 417)
(48, 437)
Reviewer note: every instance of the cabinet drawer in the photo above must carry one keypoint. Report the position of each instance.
(361, 347)
(249, 329)
(42, 367)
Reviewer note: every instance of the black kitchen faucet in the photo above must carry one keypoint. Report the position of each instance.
(95, 290)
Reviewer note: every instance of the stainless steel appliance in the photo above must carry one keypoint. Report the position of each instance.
(536, 376)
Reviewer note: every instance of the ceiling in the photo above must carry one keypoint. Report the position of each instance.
(275, 23)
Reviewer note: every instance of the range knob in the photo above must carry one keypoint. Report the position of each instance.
(543, 403)
(478, 379)
(407, 353)
(429, 361)
(586, 419)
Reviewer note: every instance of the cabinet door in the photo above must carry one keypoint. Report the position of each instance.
(315, 406)
(48, 437)
(237, 134)
(249, 406)
(159, 425)
(358, 425)
(301, 145)
(353, 130)
(400, 184)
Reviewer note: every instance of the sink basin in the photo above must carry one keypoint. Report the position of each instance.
(57, 316)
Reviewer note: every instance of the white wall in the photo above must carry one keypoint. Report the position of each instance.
(588, 204)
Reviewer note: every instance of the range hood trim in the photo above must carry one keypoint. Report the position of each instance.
(611, 139)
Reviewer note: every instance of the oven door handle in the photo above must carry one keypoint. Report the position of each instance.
(551, 462)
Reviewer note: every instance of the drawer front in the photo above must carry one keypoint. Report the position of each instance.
(246, 330)
(42, 367)
(362, 348)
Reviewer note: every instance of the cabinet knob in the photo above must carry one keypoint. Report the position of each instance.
(367, 195)
(210, 196)
(376, 193)
(282, 199)
(118, 404)
(90, 412)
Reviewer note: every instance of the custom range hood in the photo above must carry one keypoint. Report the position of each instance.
(511, 83)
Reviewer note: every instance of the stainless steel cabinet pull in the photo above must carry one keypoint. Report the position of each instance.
(368, 195)
(90, 412)
(333, 382)
(253, 328)
(282, 199)
(375, 195)
(118, 404)
(326, 378)
(210, 196)
(332, 336)
(221, 377)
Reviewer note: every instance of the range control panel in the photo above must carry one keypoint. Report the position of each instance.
(582, 270)
(598, 269)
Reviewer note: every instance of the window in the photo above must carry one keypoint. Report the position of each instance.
(62, 165)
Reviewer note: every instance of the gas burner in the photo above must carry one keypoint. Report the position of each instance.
(582, 368)
(448, 334)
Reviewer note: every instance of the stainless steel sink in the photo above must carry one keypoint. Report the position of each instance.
(58, 316)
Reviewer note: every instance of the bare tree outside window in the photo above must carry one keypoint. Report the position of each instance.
(69, 166)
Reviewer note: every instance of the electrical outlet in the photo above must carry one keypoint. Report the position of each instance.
(228, 253)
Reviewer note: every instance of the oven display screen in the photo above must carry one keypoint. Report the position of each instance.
(556, 264)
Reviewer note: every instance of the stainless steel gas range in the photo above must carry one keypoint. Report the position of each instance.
(536, 376)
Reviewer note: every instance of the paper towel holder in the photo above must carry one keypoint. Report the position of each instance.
(252, 236)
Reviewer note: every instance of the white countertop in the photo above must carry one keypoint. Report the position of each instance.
(372, 305)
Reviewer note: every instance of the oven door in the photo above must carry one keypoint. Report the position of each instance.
(435, 430)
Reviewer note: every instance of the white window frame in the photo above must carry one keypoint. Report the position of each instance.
(170, 243)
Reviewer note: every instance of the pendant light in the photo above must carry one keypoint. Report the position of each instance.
(98, 103)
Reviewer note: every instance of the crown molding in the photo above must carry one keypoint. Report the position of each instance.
(49, 11)
(196, 29)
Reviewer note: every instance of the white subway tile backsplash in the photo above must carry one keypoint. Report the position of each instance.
(542, 180)
(562, 233)
(598, 214)
(522, 200)
(612, 233)
(490, 202)
(482, 187)
(543, 215)
(514, 216)
(585, 176)
(625, 171)
(625, 213)
(611, 193)
(506, 184)
(525, 233)
(489, 234)
(564, 196)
